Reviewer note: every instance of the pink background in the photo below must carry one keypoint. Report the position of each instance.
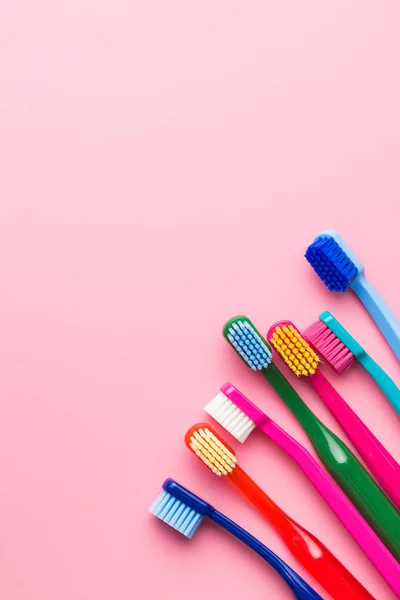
(163, 167)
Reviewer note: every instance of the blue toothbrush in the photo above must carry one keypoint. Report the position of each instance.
(184, 511)
(339, 268)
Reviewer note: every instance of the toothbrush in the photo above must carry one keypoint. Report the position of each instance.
(239, 417)
(339, 268)
(184, 511)
(338, 348)
(203, 441)
(339, 460)
(298, 355)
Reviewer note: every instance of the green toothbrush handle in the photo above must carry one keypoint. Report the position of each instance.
(343, 465)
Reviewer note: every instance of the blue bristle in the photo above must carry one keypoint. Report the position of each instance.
(331, 264)
(249, 345)
(177, 514)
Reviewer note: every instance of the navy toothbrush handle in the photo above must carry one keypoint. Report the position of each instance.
(300, 589)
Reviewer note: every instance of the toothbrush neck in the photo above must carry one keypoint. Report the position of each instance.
(325, 390)
(283, 440)
(288, 394)
(260, 500)
(359, 281)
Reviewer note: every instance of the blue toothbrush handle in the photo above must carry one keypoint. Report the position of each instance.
(379, 311)
(300, 589)
(387, 385)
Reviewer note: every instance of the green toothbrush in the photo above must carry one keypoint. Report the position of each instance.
(339, 460)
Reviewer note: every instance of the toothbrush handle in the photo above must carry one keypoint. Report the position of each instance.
(379, 311)
(387, 385)
(306, 548)
(338, 459)
(332, 494)
(382, 465)
(300, 589)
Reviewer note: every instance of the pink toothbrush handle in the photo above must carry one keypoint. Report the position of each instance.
(382, 464)
(359, 529)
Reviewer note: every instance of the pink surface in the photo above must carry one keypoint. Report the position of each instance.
(164, 164)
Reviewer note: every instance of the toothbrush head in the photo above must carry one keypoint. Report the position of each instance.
(293, 348)
(179, 508)
(333, 261)
(225, 410)
(329, 346)
(252, 348)
(205, 443)
(334, 343)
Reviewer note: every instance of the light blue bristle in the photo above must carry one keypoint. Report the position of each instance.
(249, 345)
(176, 514)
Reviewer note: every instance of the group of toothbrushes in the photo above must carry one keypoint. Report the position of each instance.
(367, 505)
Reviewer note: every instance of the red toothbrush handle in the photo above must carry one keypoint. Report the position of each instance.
(323, 565)
(305, 547)
(382, 464)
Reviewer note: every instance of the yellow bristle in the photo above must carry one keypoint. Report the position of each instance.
(295, 351)
(212, 452)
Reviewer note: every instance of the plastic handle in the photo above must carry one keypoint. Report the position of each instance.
(382, 465)
(342, 464)
(300, 589)
(379, 311)
(328, 489)
(387, 385)
(306, 548)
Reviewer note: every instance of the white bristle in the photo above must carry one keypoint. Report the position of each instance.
(176, 514)
(230, 417)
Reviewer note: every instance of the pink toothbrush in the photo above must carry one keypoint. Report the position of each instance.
(239, 416)
(295, 350)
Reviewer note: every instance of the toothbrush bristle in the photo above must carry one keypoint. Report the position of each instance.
(176, 514)
(211, 450)
(328, 345)
(331, 264)
(247, 342)
(230, 417)
(294, 349)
